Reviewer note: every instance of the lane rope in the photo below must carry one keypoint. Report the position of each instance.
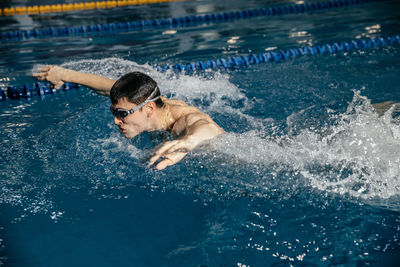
(274, 56)
(62, 8)
(187, 21)
(44, 88)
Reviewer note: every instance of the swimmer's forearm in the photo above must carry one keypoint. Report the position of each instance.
(59, 75)
(101, 85)
(202, 130)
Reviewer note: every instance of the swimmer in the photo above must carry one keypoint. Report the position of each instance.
(138, 107)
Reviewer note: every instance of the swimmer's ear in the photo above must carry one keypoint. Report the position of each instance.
(150, 107)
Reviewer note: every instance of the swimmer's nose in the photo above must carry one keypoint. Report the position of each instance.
(117, 121)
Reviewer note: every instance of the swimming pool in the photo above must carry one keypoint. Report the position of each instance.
(307, 174)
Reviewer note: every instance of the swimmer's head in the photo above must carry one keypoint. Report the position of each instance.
(135, 101)
(136, 87)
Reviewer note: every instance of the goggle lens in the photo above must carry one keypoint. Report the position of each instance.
(122, 113)
(119, 113)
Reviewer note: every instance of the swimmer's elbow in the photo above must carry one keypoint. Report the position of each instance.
(208, 130)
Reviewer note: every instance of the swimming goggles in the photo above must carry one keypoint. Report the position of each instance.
(122, 113)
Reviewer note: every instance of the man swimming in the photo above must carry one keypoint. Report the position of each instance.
(138, 107)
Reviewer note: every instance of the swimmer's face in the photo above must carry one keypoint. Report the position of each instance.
(134, 123)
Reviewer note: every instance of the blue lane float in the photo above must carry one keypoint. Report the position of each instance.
(188, 21)
(38, 89)
(41, 89)
(275, 56)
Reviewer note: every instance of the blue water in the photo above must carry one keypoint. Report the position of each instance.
(307, 174)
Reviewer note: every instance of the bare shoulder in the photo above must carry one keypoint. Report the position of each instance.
(186, 115)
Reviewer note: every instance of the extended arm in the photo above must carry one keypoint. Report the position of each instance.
(58, 76)
(198, 127)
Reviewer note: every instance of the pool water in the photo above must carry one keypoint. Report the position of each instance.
(307, 174)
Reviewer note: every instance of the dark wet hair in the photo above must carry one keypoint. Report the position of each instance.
(136, 87)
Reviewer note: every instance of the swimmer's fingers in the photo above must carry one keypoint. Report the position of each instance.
(161, 151)
(170, 148)
(58, 85)
(42, 72)
(44, 68)
(54, 74)
(170, 159)
(40, 76)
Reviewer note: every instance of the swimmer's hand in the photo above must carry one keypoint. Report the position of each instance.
(53, 74)
(198, 128)
(171, 152)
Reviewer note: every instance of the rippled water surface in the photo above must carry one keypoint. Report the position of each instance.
(307, 174)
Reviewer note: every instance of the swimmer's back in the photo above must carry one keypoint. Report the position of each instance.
(178, 107)
(174, 102)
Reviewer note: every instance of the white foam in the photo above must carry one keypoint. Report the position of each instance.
(112, 144)
(358, 156)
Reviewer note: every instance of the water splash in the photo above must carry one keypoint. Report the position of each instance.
(359, 155)
(355, 153)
